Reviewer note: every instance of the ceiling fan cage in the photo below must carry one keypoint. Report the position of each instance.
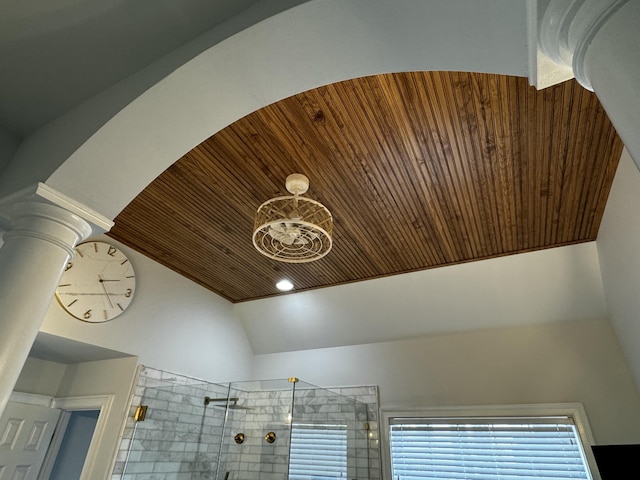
(293, 229)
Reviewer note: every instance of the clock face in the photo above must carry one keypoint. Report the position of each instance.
(98, 283)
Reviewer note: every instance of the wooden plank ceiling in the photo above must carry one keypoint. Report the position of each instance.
(420, 170)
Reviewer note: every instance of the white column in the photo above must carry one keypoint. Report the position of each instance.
(612, 65)
(39, 239)
(600, 41)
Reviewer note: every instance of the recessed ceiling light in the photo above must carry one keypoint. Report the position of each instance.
(284, 285)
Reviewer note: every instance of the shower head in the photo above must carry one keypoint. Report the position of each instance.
(224, 402)
(221, 401)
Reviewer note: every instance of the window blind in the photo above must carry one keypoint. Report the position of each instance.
(483, 449)
(318, 452)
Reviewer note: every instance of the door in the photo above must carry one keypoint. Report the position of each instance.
(25, 433)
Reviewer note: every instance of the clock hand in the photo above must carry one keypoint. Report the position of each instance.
(105, 290)
(109, 280)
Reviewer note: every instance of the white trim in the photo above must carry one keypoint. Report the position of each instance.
(90, 402)
(532, 38)
(90, 215)
(31, 399)
(54, 197)
(54, 446)
(574, 410)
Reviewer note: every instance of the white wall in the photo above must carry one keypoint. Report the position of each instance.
(619, 251)
(553, 285)
(568, 362)
(172, 324)
(40, 377)
(8, 146)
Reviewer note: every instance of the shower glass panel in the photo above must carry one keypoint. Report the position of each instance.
(262, 416)
(258, 430)
(180, 436)
(328, 435)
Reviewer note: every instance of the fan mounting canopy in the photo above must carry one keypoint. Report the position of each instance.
(293, 229)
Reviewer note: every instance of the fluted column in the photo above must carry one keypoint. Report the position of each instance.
(598, 40)
(41, 230)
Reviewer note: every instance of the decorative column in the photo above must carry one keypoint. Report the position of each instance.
(42, 227)
(598, 40)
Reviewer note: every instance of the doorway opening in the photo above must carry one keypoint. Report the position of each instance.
(70, 445)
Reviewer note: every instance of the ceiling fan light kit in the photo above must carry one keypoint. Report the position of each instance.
(293, 229)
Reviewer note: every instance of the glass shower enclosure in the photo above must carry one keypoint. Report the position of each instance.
(257, 430)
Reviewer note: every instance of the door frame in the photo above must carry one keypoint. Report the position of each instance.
(68, 405)
(31, 399)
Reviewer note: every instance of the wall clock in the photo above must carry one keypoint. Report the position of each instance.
(97, 284)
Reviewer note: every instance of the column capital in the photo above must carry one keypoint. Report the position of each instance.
(47, 222)
(565, 29)
(42, 212)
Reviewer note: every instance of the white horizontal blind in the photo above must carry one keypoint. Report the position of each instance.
(479, 449)
(318, 452)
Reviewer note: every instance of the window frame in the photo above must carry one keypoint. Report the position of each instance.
(574, 410)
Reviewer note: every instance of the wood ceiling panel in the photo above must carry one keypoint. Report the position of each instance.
(419, 170)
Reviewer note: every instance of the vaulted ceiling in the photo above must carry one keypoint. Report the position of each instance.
(419, 170)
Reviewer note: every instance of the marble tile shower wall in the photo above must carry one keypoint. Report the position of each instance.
(180, 438)
(255, 458)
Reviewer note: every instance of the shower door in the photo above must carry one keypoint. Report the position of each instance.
(329, 437)
(255, 442)
(180, 436)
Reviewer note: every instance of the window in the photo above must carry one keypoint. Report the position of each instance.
(318, 452)
(510, 447)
